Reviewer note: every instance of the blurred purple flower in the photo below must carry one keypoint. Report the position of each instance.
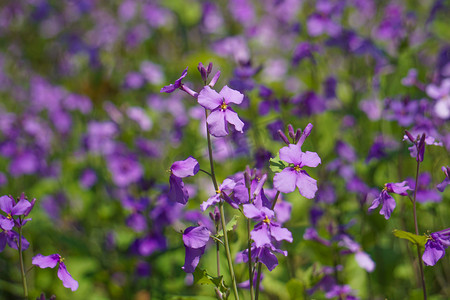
(424, 194)
(176, 85)
(88, 178)
(441, 186)
(11, 238)
(125, 169)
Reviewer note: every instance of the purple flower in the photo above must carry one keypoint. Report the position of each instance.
(178, 170)
(267, 228)
(88, 178)
(435, 246)
(441, 186)
(264, 254)
(50, 262)
(8, 205)
(125, 169)
(221, 112)
(176, 85)
(195, 240)
(386, 200)
(293, 176)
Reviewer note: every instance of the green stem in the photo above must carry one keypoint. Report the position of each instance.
(250, 271)
(222, 215)
(275, 200)
(416, 227)
(22, 268)
(258, 280)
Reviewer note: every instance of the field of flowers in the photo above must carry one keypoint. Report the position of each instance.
(229, 149)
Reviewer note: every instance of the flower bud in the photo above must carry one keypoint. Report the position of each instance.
(291, 131)
(283, 137)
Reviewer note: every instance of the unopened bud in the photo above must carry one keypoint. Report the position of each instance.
(210, 66)
(202, 71)
(305, 134)
(260, 185)
(283, 137)
(409, 135)
(298, 134)
(214, 79)
(421, 149)
(291, 131)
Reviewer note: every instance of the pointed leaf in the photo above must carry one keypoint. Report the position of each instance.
(413, 238)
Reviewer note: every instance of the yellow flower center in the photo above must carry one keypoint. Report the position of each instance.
(266, 220)
(297, 168)
(223, 106)
(9, 216)
(218, 192)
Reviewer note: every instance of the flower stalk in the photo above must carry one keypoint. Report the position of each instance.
(22, 268)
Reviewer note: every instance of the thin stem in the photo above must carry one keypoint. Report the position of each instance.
(258, 280)
(206, 172)
(416, 226)
(275, 200)
(22, 268)
(250, 271)
(222, 215)
(227, 251)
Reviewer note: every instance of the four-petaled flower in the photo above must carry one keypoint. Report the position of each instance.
(50, 262)
(294, 176)
(221, 112)
(267, 228)
(386, 200)
(195, 240)
(8, 205)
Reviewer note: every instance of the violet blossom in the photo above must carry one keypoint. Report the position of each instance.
(195, 240)
(221, 112)
(50, 262)
(222, 193)
(294, 176)
(386, 200)
(176, 85)
(8, 205)
(267, 228)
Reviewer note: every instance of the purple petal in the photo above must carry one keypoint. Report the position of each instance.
(433, 91)
(375, 204)
(209, 98)
(283, 211)
(231, 96)
(6, 204)
(177, 191)
(216, 123)
(433, 252)
(46, 261)
(233, 118)
(399, 188)
(388, 206)
(13, 238)
(196, 237)
(66, 278)
(21, 207)
(227, 185)
(185, 168)
(310, 159)
(280, 233)
(441, 186)
(364, 261)
(268, 258)
(6, 224)
(307, 186)
(252, 212)
(285, 180)
(192, 258)
(211, 201)
(260, 236)
(291, 154)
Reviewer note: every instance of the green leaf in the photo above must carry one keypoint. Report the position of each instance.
(230, 226)
(277, 165)
(413, 238)
(202, 277)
